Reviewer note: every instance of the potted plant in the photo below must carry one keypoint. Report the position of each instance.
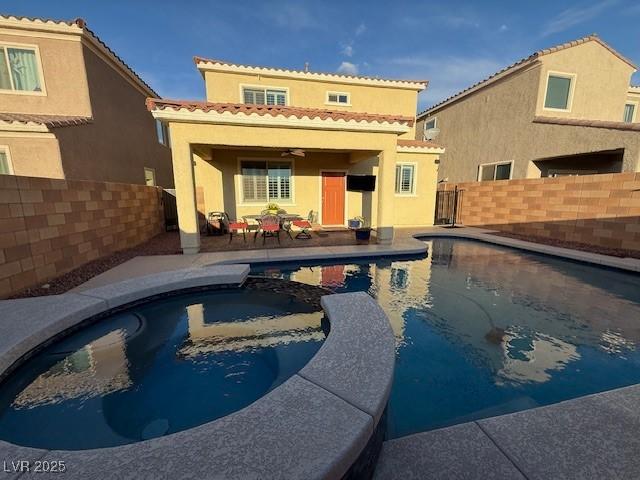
(362, 231)
(273, 208)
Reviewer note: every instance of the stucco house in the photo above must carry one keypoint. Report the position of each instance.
(299, 138)
(565, 110)
(71, 108)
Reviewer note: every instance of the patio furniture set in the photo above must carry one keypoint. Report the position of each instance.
(267, 224)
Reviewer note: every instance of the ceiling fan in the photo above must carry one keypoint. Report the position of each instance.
(293, 152)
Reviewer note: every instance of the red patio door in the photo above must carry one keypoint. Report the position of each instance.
(333, 188)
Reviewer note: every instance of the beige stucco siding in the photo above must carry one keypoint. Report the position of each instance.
(122, 139)
(33, 154)
(65, 80)
(418, 209)
(601, 82)
(227, 88)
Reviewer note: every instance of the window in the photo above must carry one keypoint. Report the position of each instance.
(20, 69)
(5, 162)
(338, 98)
(264, 182)
(149, 177)
(629, 112)
(495, 171)
(399, 278)
(162, 132)
(405, 179)
(431, 123)
(558, 96)
(262, 96)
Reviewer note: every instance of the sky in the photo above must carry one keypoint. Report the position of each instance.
(453, 43)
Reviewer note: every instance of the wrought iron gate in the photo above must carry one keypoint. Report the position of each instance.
(448, 207)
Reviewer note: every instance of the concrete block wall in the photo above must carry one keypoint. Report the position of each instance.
(49, 227)
(600, 210)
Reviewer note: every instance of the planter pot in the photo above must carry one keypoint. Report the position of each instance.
(363, 235)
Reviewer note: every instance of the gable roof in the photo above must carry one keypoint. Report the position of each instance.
(523, 62)
(204, 64)
(154, 104)
(77, 27)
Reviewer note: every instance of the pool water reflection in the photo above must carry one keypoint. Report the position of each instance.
(484, 330)
(158, 368)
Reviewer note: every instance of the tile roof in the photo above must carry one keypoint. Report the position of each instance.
(274, 111)
(82, 25)
(522, 63)
(418, 144)
(588, 123)
(50, 121)
(275, 70)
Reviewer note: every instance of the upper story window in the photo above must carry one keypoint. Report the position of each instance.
(162, 132)
(405, 179)
(431, 123)
(5, 162)
(494, 171)
(629, 112)
(264, 96)
(559, 91)
(20, 69)
(338, 98)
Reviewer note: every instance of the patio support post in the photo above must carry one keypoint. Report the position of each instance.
(386, 196)
(184, 179)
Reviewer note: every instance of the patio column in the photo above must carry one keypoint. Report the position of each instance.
(184, 178)
(386, 196)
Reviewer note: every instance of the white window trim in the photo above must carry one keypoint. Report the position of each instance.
(424, 126)
(155, 179)
(7, 152)
(337, 104)
(25, 46)
(238, 182)
(242, 86)
(414, 192)
(572, 87)
(479, 176)
(635, 110)
(346, 196)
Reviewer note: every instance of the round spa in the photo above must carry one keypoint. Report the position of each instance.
(160, 367)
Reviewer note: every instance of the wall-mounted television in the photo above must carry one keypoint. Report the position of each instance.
(361, 183)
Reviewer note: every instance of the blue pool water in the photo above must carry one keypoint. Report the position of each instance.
(158, 368)
(483, 330)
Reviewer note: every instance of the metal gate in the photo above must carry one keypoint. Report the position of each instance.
(448, 207)
(170, 209)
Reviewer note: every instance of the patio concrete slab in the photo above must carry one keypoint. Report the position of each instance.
(217, 258)
(358, 324)
(593, 437)
(305, 432)
(26, 323)
(454, 453)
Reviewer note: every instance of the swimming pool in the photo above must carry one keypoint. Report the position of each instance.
(483, 330)
(160, 367)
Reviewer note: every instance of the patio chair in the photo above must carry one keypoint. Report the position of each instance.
(270, 227)
(237, 225)
(305, 226)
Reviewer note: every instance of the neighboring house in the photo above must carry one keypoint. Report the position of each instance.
(566, 110)
(71, 108)
(293, 137)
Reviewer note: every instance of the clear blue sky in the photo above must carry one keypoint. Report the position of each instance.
(451, 43)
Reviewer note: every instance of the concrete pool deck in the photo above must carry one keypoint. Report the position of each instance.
(405, 244)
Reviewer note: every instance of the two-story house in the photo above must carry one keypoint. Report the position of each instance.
(71, 108)
(566, 110)
(337, 145)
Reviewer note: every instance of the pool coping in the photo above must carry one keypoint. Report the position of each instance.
(314, 425)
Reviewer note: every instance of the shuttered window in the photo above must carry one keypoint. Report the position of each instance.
(5, 167)
(405, 179)
(258, 96)
(266, 181)
(629, 111)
